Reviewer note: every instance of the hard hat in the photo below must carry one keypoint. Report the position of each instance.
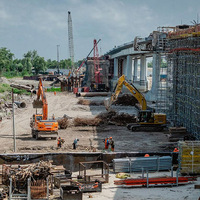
(146, 155)
(110, 137)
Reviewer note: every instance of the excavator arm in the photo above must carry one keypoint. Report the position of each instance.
(121, 81)
(43, 102)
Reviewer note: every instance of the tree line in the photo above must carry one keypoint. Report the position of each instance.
(30, 64)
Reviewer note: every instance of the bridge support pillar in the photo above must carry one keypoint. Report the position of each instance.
(152, 95)
(115, 77)
(135, 70)
(143, 79)
(129, 68)
(115, 69)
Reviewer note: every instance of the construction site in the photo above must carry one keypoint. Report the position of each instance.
(112, 131)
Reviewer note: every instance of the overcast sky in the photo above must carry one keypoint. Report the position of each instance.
(42, 24)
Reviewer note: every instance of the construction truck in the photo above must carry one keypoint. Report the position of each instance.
(147, 119)
(41, 126)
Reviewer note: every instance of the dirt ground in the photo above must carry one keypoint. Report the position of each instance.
(66, 103)
(125, 141)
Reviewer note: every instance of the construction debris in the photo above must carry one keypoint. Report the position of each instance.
(111, 117)
(36, 171)
(90, 102)
(86, 121)
(28, 88)
(126, 100)
(178, 133)
(63, 123)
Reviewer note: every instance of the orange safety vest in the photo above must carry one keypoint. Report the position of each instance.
(106, 143)
(176, 150)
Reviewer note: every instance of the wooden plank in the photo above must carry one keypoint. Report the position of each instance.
(196, 186)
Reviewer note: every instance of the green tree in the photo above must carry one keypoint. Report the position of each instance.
(32, 59)
(6, 60)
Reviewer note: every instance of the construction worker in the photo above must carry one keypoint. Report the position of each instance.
(75, 143)
(146, 155)
(112, 144)
(53, 117)
(59, 142)
(176, 150)
(106, 142)
(54, 92)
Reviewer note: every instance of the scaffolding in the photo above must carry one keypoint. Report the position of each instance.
(178, 92)
(183, 83)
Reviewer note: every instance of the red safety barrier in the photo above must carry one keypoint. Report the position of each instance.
(155, 181)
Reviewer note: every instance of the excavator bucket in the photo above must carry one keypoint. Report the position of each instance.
(107, 103)
(37, 104)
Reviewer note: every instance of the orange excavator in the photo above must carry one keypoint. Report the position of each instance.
(42, 127)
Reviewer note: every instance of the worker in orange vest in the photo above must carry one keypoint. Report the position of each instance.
(176, 150)
(146, 155)
(59, 142)
(106, 142)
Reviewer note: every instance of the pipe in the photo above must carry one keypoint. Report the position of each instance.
(20, 104)
(92, 94)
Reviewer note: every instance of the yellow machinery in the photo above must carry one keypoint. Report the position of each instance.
(146, 118)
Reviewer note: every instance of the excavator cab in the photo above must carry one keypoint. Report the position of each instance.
(145, 116)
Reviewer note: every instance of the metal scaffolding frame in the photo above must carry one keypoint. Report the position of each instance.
(183, 83)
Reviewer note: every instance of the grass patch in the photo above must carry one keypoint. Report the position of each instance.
(6, 88)
(53, 89)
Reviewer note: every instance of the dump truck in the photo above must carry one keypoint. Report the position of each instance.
(41, 126)
(147, 119)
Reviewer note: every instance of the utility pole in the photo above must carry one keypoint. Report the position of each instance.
(70, 38)
(58, 59)
(14, 137)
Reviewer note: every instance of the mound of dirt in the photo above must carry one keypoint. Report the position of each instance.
(89, 102)
(63, 123)
(86, 121)
(111, 117)
(126, 100)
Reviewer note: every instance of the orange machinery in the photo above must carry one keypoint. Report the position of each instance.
(40, 124)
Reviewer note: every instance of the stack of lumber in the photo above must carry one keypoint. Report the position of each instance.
(177, 133)
(57, 169)
(189, 157)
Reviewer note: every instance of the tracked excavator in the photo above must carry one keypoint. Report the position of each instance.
(41, 126)
(147, 119)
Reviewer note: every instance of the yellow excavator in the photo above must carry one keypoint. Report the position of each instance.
(147, 119)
